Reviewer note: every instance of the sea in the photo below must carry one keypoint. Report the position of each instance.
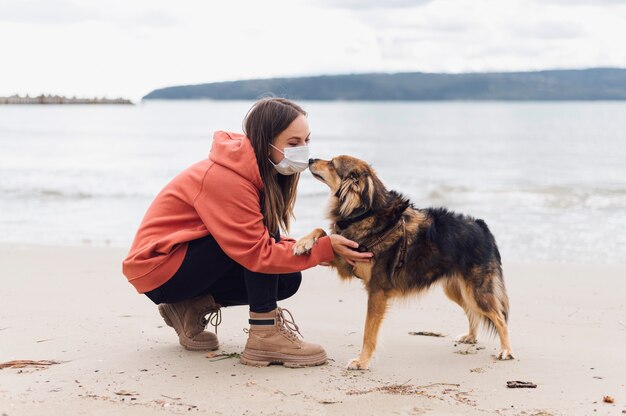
(549, 178)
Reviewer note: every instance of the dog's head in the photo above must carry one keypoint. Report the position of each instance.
(352, 182)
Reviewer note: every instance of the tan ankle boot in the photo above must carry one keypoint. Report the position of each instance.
(272, 339)
(188, 318)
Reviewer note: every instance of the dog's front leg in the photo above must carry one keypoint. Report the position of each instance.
(306, 243)
(376, 307)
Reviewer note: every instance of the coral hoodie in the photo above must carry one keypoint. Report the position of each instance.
(219, 196)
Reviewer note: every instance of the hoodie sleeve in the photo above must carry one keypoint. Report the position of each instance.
(230, 208)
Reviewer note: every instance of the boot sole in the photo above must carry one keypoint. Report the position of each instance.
(171, 319)
(263, 359)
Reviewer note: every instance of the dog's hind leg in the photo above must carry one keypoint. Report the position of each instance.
(376, 307)
(494, 306)
(452, 289)
(506, 352)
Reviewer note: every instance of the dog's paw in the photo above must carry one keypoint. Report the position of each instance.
(467, 339)
(304, 246)
(505, 354)
(356, 364)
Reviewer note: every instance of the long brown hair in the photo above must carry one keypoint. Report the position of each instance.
(267, 118)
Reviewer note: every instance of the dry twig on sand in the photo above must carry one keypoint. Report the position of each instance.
(222, 356)
(126, 393)
(28, 363)
(427, 334)
(521, 385)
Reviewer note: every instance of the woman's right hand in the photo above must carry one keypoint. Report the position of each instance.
(347, 249)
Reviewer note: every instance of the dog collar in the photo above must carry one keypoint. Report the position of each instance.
(345, 223)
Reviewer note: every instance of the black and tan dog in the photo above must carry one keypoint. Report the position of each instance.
(413, 249)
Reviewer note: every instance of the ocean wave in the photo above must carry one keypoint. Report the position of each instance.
(550, 196)
(313, 194)
(50, 193)
(548, 190)
(555, 196)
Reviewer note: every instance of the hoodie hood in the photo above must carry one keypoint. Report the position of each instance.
(234, 151)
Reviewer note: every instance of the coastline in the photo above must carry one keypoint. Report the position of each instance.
(72, 304)
(59, 99)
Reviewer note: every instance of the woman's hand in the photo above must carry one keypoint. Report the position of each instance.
(347, 249)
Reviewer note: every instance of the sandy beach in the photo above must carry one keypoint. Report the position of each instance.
(73, 306)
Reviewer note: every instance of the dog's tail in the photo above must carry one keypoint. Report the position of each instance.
(503, 298)
(499, 302)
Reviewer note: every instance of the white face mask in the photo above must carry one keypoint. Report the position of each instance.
(296, 160)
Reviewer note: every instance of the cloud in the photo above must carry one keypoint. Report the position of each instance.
(585, 2)
(154, 18)
(371, 4)
(548, 29)
(121, 47)
(62, 12)
(491, 35)
(44, 12)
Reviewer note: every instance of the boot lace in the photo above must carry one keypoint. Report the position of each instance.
(287, 324)
(214, 318)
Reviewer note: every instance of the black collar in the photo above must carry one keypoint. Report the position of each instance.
(345, 223)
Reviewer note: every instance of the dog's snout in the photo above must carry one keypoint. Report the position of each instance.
(311, 161)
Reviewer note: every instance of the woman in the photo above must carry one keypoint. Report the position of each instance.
(211, 238)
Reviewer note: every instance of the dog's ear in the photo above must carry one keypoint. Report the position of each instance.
(356, 191)
(367, 191)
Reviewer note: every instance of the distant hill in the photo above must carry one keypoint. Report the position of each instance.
(584, 84)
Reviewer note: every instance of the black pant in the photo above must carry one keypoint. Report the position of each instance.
(207, 269)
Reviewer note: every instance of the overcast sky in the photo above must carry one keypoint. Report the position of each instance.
(129, 47)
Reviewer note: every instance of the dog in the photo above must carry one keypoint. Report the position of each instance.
(413, 249)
